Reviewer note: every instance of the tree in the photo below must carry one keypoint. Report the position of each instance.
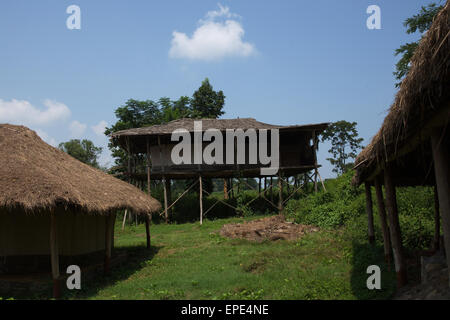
(83, 150)
(207, 103)
(134, 114)
(343, 136)
(420, 22)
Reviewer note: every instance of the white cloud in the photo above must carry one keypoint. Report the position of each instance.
(212, 40)
(99, 128)
(24, 113)
(222, 12)
(77, 129)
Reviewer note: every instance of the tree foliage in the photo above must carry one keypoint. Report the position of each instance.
(344, 144)
(205, 103)
(83, 150)
(420, 22)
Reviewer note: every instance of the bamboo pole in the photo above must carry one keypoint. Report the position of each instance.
(280, 195)
(321, 181)
(54, 256)
(259, 188)
(201, 199)
(181, 196)
(148, 217)
(369, 212)
(124, 218)
(109, 229)
(439, 145)
(169, 196)
(383, 222)
(271, 189)
(166, 215)
(225, 189)
(315, 180)
(394, 228)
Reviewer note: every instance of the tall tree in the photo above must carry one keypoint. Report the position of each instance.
(420, 22)
(83, 150)
(134, 114)
(344, 144)
(207, 103)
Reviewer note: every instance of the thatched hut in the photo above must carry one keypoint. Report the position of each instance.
(414, 140)
(53, 205)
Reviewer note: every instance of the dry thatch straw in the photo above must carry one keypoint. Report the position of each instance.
(35, 176)
(423, 94)
(218, 124)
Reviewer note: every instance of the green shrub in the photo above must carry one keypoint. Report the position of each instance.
(333, 208)
(343, 204)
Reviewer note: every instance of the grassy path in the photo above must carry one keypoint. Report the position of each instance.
(189, 261)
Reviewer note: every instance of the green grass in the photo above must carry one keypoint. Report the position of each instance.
(189, 261)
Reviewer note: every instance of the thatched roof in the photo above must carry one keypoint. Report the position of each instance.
(421, 102)
(35, 176)
(136, 139)
(219, 124)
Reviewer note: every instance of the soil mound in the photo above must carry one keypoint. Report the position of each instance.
(270, 228)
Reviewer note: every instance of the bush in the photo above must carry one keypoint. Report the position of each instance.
(344, 204)
(333, 208)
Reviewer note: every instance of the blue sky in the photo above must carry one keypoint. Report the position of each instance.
(281, 62)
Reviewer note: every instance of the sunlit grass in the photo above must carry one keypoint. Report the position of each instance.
(189, 261)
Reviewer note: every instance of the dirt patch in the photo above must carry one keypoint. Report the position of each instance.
(270, 228)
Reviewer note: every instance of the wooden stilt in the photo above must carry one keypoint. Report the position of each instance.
(225, 189)
(54, 256)
(321, 181)
(259, 188)
(108, 242)
(280, 195)
(394, 228)
(169, 196)
(124, 219)
(383, 221)
(201, 199)
(369, 212)
(315, 180)
(441, 158)
(271, 189)
(148, 218)
(166, 215)
(112, 230)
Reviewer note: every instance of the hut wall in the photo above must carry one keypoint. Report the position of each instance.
(296, 150)
(28, 235)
